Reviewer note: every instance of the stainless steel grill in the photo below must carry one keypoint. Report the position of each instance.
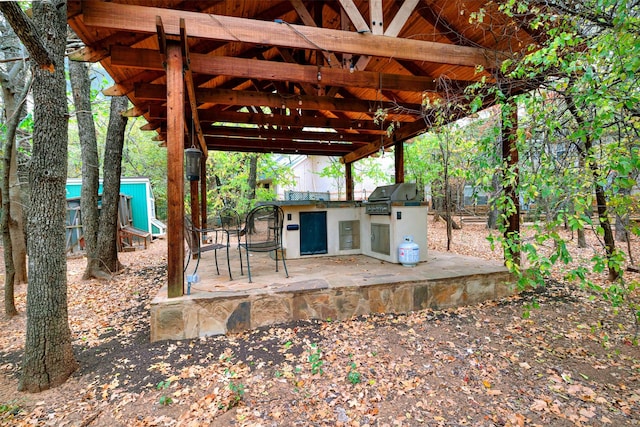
(379, 202)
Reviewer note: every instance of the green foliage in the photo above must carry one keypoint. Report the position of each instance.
(237, 392)
(315, 359)
(354, 376)
(164, 399)
(228, 180)
(368, 168)
(454, 147)
(588, 65)
(9, 408)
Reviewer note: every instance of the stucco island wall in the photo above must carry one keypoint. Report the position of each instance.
(404, 220)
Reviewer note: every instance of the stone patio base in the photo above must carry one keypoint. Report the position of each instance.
(231, 312)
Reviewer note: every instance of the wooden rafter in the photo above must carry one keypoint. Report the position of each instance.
(284, 147)
(191, 92)
(233, 29)
(156, 112)
(376, 16)
(148, 59)
(289, 134)
(355, 16)
(244, 98)
(308, 20)
(401, 18)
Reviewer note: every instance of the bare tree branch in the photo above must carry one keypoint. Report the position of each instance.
(28, 34)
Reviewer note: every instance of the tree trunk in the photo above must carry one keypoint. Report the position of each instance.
(601, 200)
(253, 175)
(81, 89)
(492, 213)
(582, 239)
(622, 221)
(441, 211)
(13, 81)
(48, 356)
(17, 220)
(109, 218)
(13, 110)
(510, 179)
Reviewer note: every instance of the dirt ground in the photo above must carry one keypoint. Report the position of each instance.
(573, 360)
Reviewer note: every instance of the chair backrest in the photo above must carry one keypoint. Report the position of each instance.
(263, 228)
(229, 220)
(191, 235)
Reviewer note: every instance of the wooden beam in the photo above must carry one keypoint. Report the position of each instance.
(147, 59)
(355, 140)
(288, 134)
(285, 147)
(355, 16)
(309, 87)
(191, 91)
(175, 172)
(101, 49)
(162, 37)
(135, 111)
(150, 125)
(401, 18)
(287, 122)
(405, 132)
(376, 16)
(124, 87)
(203, 193)
(348, 180)
(308, 20)
(303, 102)
(217, 27)
(398, 153)
(294, 122)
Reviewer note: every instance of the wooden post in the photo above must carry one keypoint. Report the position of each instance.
(510, 161)
(203, 192)
(195, 204)
(399, 161)
(348, 179)
(175, 171)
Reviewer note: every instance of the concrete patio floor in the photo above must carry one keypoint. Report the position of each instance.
(336, 287)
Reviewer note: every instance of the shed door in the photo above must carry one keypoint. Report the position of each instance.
(313, 233)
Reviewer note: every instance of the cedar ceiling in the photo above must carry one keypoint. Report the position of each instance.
(306, 76)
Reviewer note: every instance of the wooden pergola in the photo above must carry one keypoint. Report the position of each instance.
(309, 76)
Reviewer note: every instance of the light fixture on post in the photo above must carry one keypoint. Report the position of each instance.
(192, 158)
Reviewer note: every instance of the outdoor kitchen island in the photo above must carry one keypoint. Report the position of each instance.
(373, 228)
(366, 276)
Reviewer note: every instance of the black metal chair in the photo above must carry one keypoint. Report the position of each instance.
(230, 223)
(201, 240)
(262, 232)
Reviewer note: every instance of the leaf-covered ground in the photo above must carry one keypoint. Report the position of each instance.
(572, 362)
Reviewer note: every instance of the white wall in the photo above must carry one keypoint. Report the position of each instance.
(307, 169)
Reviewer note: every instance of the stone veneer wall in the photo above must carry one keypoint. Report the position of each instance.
(191, 317)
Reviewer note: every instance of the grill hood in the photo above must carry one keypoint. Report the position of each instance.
(402, 192)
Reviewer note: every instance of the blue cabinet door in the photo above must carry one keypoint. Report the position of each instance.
(313, 233)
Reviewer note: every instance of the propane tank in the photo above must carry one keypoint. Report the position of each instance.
(409, 252)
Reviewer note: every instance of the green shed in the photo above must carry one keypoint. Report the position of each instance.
(140, 195)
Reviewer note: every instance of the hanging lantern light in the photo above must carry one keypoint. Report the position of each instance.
(192, 158)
